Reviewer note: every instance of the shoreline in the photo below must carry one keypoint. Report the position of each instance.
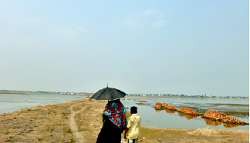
(55, 123)
(218, 97)
(90, 94)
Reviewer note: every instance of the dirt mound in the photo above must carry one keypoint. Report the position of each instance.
(206, 132)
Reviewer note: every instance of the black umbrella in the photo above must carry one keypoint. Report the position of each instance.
(108, 94)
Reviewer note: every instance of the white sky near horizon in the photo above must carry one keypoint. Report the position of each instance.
(164, 47)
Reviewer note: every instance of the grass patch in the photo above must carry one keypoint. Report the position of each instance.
(128, 115)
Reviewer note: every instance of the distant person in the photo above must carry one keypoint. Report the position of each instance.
(133, 129)
(114, 122)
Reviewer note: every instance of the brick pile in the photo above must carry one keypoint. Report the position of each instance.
(142, 101)
(158, 106)
(214, 115)
(187, 111)
(167, 106)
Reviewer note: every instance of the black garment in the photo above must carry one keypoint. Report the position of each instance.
(110, 133)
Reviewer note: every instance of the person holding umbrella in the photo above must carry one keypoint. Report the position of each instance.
(114, 115)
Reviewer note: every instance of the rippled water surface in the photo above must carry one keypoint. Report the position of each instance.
(172, 119)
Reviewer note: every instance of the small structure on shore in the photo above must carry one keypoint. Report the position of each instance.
(142, 101)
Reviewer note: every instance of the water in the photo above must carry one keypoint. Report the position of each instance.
(151, 117)
(13, 102)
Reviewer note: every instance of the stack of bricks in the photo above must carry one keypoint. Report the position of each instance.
(232, 120)
(167, 106)
(214, 115)
(158, 106)
(188, 111)
(142, 101)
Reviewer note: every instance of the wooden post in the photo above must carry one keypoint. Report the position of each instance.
(107, 84)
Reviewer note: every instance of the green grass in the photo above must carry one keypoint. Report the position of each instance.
(128, 115)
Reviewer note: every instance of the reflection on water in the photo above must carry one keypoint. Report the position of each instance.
(170, 111)
(188, 116)
(231, 125)
(157, 111)
(217, 123)
(212, 122)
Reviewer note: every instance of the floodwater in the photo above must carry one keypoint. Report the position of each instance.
(172, 119)
(13, 102)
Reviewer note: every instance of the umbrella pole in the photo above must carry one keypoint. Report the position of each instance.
(107, 84)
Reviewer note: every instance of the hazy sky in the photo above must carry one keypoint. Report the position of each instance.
(176, 47)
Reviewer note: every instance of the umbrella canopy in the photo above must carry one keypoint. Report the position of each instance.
(108, 94)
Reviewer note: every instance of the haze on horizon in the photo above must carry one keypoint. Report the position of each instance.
(164, 47)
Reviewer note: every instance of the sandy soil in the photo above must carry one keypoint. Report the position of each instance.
(81, 121)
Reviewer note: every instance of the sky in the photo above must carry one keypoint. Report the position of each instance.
(140, 47)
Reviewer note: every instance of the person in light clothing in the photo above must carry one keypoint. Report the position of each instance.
(133, 129)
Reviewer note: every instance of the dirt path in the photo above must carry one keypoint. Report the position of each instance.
(74, 128)
(78, 137)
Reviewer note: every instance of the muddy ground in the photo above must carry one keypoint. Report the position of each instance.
(81, 121)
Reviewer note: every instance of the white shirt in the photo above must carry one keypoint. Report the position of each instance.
(134, 127)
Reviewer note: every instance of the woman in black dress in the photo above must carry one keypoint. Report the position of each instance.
(114, 117)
